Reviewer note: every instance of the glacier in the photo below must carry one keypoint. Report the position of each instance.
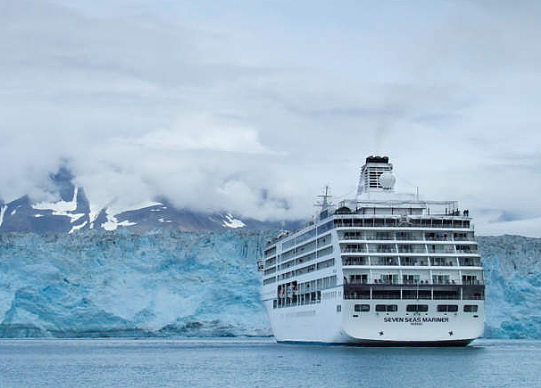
(172, 283)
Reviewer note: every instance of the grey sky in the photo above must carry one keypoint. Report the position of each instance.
(253, 106)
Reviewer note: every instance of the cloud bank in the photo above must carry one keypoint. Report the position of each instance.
(254, 107)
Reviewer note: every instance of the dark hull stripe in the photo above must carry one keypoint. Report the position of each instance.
(376, 343)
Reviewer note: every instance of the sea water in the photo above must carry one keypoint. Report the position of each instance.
(263, 363)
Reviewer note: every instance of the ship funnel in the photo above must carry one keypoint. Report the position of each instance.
(376, 176)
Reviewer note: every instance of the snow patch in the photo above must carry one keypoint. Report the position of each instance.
(231, 222)
(77, 227)
(126, 223)
(112, 223)
(62, 208)
(38, 215)
(2, 212)
(75, 217)
(113, 208)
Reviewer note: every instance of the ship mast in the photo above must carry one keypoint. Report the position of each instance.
(324, 203)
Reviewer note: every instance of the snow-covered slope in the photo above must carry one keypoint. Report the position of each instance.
(73, 212)
(196, 283)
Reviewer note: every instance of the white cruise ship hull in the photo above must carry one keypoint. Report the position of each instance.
(322, 324)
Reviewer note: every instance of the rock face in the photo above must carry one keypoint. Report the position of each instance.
(171, 283)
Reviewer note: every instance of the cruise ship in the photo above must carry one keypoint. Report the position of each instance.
(384, 269)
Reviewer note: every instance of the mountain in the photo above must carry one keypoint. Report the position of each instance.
(171, 283)
(72, 212)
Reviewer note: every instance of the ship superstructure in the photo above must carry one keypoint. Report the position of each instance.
(383, 269)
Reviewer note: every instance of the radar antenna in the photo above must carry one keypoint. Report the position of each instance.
(324, 204)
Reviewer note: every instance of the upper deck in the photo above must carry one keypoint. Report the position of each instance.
(380, 215)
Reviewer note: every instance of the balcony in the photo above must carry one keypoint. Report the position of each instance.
(419, 291)
(351, 237)
(413, 261)
(470, 261)
(442, 262)
(437, 237)
(444, 281)
(411, 249)
(440, 249)
(472, 282)
(384, 261)
(355, 261)
(404, 236)
(382, 249)
(380, 236)
(466, 249)
(353, 250)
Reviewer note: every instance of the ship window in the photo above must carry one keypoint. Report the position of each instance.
(325, 264)
(386, 307)
(365, 308)
(324, 251)
(338, 308)
(414, 308)
(470, 308)
(444, 308)
(325, 227)
(362, 308)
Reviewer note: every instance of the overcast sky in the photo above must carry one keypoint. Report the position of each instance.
(254, 106)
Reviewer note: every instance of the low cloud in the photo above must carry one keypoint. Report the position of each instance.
(231, 107)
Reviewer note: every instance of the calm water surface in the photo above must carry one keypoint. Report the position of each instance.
(262, 363)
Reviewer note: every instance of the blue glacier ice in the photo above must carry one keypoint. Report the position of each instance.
(96, 284)
(513, 280)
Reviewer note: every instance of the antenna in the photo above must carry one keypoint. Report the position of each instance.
(324, 203)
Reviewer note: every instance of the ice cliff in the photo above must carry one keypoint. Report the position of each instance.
(513, 280)
(196, 284)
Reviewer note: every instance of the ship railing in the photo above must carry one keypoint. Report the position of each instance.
(409, 238)
(344, 237)
(407, 250)
(442, 263)
(353, 250)
(384, 261)
(413, 262)
(355, 261)
(462, 250)
(469, 262)
(421, 283)
(381, 250)
(472, 282)
(443, 251)
(446, 297)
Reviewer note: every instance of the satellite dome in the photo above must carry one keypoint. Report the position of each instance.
(387, 180)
